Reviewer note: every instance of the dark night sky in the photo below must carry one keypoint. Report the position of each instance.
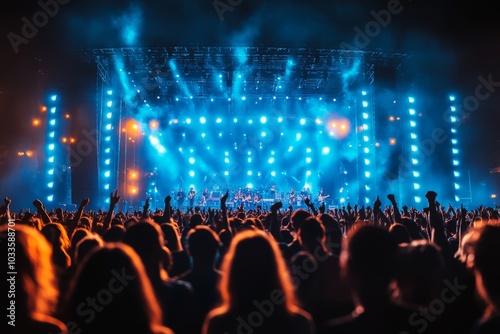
(458, 41)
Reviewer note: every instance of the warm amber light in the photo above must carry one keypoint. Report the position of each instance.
(67, 116)
(65, 140)
(392, 141)
(36, 122)
(29, 153)
(43, 108)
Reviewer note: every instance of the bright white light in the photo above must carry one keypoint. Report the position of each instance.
(235, 120)
(203, 135)
(273, 173)
(413, 124)
(243, 98)
(454, 141)
(302, 121)
(325, 150)
(203, 120)
(452, 98)
(51, 172)
(192, 161)
(109, 115)
(106, 186)
(107, 173)
(110, 92)
(416, 186)
(53, 97)
(417, 199)
(226, 160)
(52, 122)
(308, 173)
(457, 186)
(367, 174)
(290, 149)
(456, 174)
(365, 104)
(280, 119)
(226, 173)
(108, 127)
(107, 161)
(249, 173)
(308, 150)
(365, 138)
(51, 147)
(52, 134)
(50, 198)
(367, 161)
(109, 104)
(365, 115)
(416, 174)
(308, 160)
(454, 150)
(367, 150)
(413, 136)
(50, 184)
(414, 148)
(414, 161)
(270, 160)
(363, 92)
(298, 136)
(263, 119)
(51, 159)
(411, 99)
(188, 120)
(412, 111)
(263, 133)
(218, 120)
(453, 119)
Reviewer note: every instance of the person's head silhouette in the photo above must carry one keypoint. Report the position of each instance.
(111, 293)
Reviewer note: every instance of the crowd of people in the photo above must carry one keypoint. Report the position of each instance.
(374, 269)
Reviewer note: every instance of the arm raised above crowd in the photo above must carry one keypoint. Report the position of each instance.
(113, 200)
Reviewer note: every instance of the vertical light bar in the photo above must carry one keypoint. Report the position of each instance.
(455, 152)
(106, 159)
(367, 153)
(414, 150)
(51, 148)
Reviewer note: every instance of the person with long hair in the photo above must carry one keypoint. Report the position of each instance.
(34, 290)
(111, 293)
(256, 290)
